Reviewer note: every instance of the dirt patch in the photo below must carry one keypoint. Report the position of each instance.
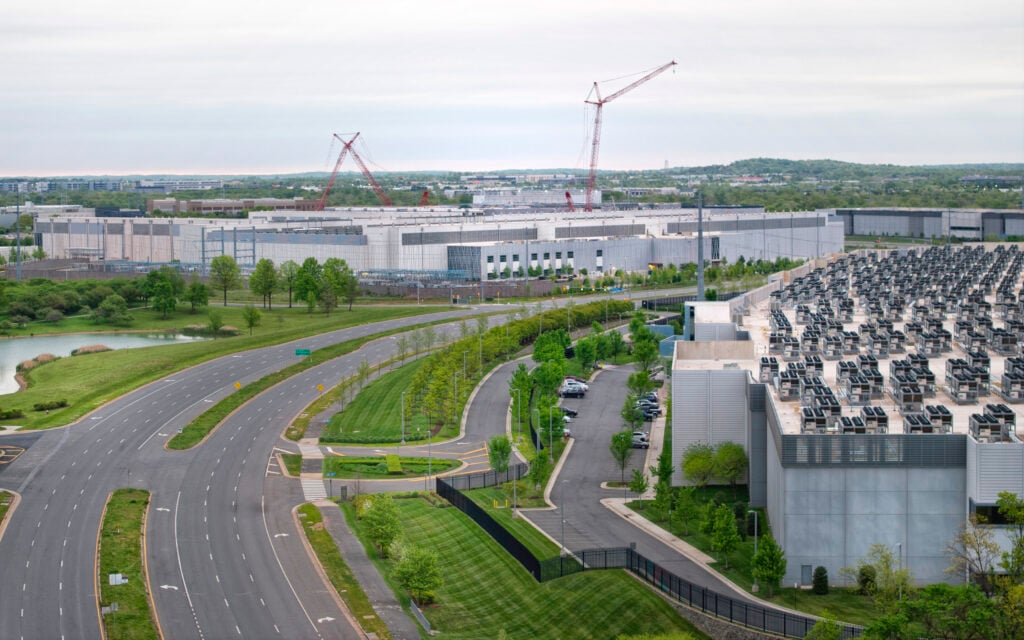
(91, 348)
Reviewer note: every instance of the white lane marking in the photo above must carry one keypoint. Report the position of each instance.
(181, 570)
(266, 528)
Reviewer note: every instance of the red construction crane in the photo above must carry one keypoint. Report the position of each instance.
(599, 103)
(568, 201)
(425, 197)
(345, 150)
(334, 174)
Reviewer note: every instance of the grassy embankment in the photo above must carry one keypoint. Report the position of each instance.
(6, 499)
(840, 603)
(375, 413)
(338, 573)
(121, 552)
(486, 591)
(89, 381)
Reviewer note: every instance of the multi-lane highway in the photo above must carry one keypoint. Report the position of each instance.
(224, 556)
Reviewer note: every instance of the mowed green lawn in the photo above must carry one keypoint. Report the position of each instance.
(89, 381)
(487, 591)
(375, 416)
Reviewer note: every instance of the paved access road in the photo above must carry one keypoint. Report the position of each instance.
(225, 558)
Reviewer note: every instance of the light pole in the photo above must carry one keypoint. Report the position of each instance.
(515, 480)
(464, 365)
(561, 500)
(551, 453)
(755, 589)
(403, 419)
(899, 580)
(536, 421)
(481, 336)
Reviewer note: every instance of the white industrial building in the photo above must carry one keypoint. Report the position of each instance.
(878, 396)
(469, 243)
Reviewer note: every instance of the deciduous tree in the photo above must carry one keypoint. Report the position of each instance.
(499, 451)
(769, 563)
(263, 281)
(251, 316)
(225, 275)
(621, 446)
(699, 463)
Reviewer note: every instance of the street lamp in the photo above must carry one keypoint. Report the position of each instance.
(551, 456)
(755, 589)
(515, 480)
(403, 418)
(899, 581)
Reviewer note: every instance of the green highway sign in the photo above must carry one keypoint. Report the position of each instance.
(302, 352)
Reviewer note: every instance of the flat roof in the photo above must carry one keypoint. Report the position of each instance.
(758, 324)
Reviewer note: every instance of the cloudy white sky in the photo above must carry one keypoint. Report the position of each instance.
(259, 86)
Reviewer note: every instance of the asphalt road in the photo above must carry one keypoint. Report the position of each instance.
(224, 556)
(220, 533)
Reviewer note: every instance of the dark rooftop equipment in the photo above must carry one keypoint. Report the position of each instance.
(940, 417)
(962, 388)
(769, 369)
(875, 419)
(832, 347)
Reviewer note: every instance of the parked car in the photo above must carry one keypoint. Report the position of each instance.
(650, 396)
(641, 443)
(650, 414)
(579, 381)
(572, 392)
(572, 413)
(641, 434)
(648, 407)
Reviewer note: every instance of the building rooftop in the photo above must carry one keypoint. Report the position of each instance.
(959, 311)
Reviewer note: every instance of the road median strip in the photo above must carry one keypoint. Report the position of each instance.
(124, 601)
(338, 572)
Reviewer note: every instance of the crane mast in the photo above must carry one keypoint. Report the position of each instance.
(599, 103)
(347, 148)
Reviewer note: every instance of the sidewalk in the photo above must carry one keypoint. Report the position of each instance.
(384, 602)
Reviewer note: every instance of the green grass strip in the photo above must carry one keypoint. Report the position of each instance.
(194, 432)
(292, 463)
(6, 500)
(394, 464)
(369, 467)
(338, 573)
(486, 591)
(88, 382)
(121, 552)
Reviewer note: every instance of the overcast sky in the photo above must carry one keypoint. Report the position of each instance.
(259, 86)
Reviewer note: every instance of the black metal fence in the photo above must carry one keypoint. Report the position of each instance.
(467, 481)
(708, 601)
(500, 534)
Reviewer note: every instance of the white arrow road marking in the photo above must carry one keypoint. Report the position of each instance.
(325, 619)
(168, 586)
(279, 535)
(162, 509)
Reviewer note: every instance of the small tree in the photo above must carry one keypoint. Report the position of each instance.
(500, 453)
(973, 552)
(382, 523)
(686, 511)
(418, 570)
(164, 300)
(866, 576)
(891, 580)
(724, 536)
(1011, 507)
(638, 483)
(197, 295)
(730, 463)
(828, 628)
(621, 446)
(819, 581)
(225, 274)
(251, 316)
(645, 355)
(699, 463)
(264, 281)
(769, 563)
(214, 321)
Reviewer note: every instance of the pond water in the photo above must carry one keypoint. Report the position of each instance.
(13, 351)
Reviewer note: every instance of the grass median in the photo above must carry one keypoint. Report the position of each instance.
(376, 467)
(486, 591)
(120, 551)
(6, 499)
(90, 381)
(341, 577)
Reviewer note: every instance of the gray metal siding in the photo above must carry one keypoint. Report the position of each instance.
(757, 445)
(1000, 467)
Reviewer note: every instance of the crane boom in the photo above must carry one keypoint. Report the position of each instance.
(347, 148)
(334, 174)
(596, 144)
(373, 183)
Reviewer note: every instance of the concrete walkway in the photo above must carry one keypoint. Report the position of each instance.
(383, 599)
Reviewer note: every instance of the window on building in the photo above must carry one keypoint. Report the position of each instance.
(570, 255)
(515, 257)
(504, 258)
(490, 259)
(547, 255)
(533, 256)
(558, 255)
(600, 252)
